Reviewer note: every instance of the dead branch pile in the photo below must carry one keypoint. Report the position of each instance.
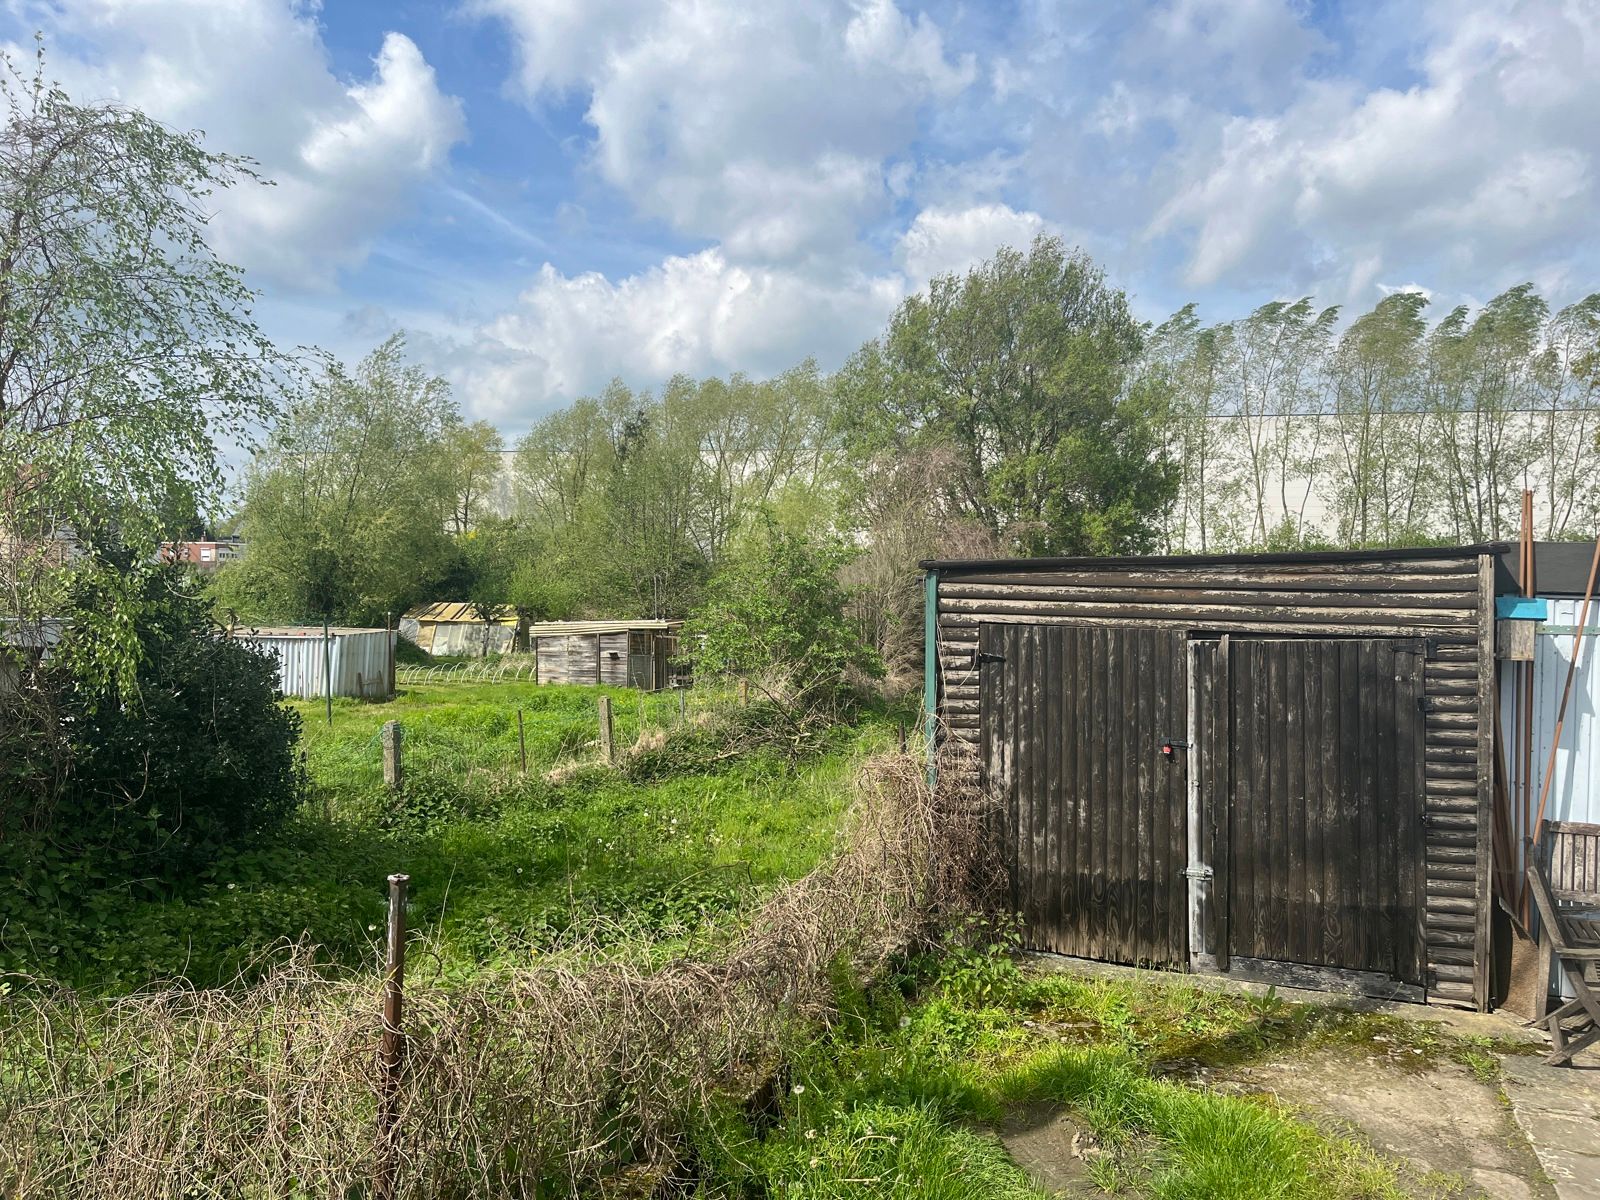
(550, 1078)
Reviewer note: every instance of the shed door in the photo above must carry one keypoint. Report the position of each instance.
(1090, 819)
(1325, 824)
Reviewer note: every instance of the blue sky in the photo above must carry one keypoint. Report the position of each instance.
(546, 193)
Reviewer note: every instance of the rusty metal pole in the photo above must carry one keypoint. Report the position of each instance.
(392, 1047)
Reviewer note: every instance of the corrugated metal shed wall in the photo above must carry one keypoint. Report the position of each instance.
(360, 658)
(1575, 789)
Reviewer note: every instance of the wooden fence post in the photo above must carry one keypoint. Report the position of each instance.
(683, 704)
(744, 692)
(605, 728)
(392, 1046)
(522, 742)
(393, 767)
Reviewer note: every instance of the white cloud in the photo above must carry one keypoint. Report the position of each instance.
(346, 156)
(950, 241)
(1481, 167)
(770, 128)
(699, 314)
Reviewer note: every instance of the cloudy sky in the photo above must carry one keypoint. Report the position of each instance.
(547, 193)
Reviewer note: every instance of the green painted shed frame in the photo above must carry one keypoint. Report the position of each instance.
(1278, 766)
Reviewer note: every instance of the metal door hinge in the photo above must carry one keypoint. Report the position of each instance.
(1425, 703)
(1198, 873)
(983, 656)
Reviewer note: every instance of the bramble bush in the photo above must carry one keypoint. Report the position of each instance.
(136, 787)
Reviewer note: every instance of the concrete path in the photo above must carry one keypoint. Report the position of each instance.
(1558, 1110)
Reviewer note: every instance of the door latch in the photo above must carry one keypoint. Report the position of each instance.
(1170, 746)
(1199, 873)
(983, 656)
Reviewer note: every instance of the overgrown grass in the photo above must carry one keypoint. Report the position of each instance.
(901, 1097)
(503, 864)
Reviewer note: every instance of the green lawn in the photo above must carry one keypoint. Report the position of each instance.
(502, 864)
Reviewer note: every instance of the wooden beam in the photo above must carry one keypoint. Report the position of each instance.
(1482, 951)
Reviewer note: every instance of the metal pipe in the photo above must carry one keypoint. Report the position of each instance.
(930, 672)
(392, 1047)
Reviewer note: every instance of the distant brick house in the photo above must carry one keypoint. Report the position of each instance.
(203, 556)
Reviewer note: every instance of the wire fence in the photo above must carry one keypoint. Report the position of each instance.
(501, 670)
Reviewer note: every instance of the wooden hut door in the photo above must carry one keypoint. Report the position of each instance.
(1090, 819)
(1322, 834)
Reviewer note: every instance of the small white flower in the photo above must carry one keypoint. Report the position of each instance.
(799, 1089)
(231, 886)
(811, 1134)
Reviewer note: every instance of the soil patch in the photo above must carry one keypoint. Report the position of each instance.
(1053, 1148)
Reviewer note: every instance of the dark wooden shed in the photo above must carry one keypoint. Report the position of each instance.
(1269, 765)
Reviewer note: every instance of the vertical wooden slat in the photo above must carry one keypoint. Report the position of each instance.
(1028, 769)
(1269, 814)
(1367, 804)
(1296, 898)
(1050, 780)
(1120, 850)
(1096, 792)
(1486, 723)
(1412, 891)
(1222, 803)
(1149, 882)
(1385, 820)
(1177, 801)
(1084, 850)
(1329, 801)
(1071, 798)
(1311, 775)
(1349, 826)
(1246, 749)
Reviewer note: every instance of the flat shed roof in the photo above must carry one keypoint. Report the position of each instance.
(1205, 560)
(556, 628)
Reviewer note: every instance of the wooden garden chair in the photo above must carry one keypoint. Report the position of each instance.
(1573, 936)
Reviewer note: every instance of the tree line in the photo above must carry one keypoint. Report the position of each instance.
(1288, 431)
(1019, 408)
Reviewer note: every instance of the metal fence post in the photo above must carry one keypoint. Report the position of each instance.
(392, 1047)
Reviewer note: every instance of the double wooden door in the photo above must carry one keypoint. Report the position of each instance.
(1208, 802)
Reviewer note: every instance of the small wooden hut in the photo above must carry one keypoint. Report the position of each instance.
(635, 653)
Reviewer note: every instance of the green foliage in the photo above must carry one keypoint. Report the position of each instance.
(503, 865)
(1023, 371)
(643, 496)
(128, 345)
(895, 1100)
(346, 508)
(191, 762)
(777, 614)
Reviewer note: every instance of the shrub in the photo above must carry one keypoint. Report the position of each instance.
(778, 616)
(196, 757)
